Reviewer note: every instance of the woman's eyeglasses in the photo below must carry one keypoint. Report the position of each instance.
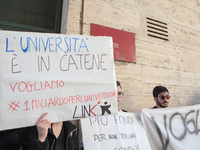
(163, 97)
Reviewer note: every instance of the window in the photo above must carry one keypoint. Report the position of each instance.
(31, 15)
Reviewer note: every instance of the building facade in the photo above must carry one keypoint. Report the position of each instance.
(169, 57)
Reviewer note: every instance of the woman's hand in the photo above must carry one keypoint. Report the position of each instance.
(42, 126)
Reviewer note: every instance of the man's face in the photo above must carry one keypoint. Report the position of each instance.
(162, 101)
(119, 96)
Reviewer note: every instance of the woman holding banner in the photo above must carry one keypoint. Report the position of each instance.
(46, 135)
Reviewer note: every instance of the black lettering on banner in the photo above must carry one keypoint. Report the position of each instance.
(75, 113)
(194, 129)
(128, 136)
(136, 147)
(72, 62)
(193, 122)
(85, 62)
(102, 62)
(170, 127)
(112, 136)
(61, 68)
(84, 111)
(105, 123)
(41, 61)
(94, 120)
(13, 65)
(99, 137)
(197, 122)
(164, 145)
(94, 60)
(80, 59)
(99, 120)
(124, 120)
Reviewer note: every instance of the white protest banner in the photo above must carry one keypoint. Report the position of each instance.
(69, 76)
(172, 128)
(122, 131)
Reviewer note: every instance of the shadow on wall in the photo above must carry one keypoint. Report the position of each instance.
(195, 99)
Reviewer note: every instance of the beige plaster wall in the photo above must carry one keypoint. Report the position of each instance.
(174, 63)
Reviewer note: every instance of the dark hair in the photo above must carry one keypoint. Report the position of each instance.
(159, 89)
(118, 84)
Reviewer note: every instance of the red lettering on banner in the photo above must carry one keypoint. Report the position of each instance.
(19, 85)
(34, 102)
(79, 98)
(89, 97)
(47, 85)
(35, 86)
(56, 101)
(96, 97)
(50, 102)
(26, 103)
(54, 82)
(13, 89)
(30, 86)
(63, 83)
(41, 103)
(113, 94)
(41, 84)
(64, 100)
(59, 101)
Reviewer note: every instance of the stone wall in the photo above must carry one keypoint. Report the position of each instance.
(174, 63)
